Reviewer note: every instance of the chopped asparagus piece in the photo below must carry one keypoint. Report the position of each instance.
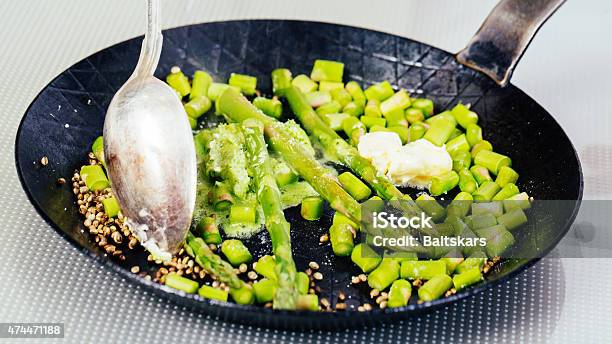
(304, 83)
(324, 70)
(235, 252)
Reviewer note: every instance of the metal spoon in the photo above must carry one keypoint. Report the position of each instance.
(150, 154)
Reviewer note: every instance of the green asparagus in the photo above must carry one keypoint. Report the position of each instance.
(312, 208)
(276, 224)
(435, 287)
(238, 108)
(399, 293)
(341, 149)
(266, 266)
(212, 264)
(111, 207)
(209, 231)
(235, 252)
(341, 238)
(181, 283)
(200, 84)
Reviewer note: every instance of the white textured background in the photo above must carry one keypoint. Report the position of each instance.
(567, 69)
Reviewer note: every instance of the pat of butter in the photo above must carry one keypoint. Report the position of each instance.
(377, 146)
(417, 162)
(411, 165)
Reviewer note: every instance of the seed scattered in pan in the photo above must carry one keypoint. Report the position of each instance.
(324, 238)
(44, 161)
(311, 291)
(355, 280)
(363, 277)
(360, 309)
(60, 181)
(243, 268)
(213, 247)
(135, 269)
(133, 242)
(384, 295)
(318, 276)
(313, 265)
(252, 275)
(374, 293)
(490, 264)
(417, 283)
(308, 271)
(117, 237)
(367, 306)
(380, 299)
(340, 306)
(268, 305)
(341, 296)
(383, 305)
(450, 292)
(325, 303)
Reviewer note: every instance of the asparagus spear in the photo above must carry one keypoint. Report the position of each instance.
(238, 109)
(212, 263)
(276, 224)
(346, 153)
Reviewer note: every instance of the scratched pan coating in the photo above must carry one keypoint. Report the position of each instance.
(68, 115)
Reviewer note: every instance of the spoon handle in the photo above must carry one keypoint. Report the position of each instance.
(152, 43)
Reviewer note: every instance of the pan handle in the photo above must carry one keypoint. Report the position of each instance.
(502, 39)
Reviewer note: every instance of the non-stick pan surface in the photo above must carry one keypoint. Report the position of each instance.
(69, 113)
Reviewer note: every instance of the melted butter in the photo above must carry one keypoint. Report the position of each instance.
(411, 165)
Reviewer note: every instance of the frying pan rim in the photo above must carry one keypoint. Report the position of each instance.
(207, 304)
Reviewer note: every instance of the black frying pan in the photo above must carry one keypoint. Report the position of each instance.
(68, 115)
